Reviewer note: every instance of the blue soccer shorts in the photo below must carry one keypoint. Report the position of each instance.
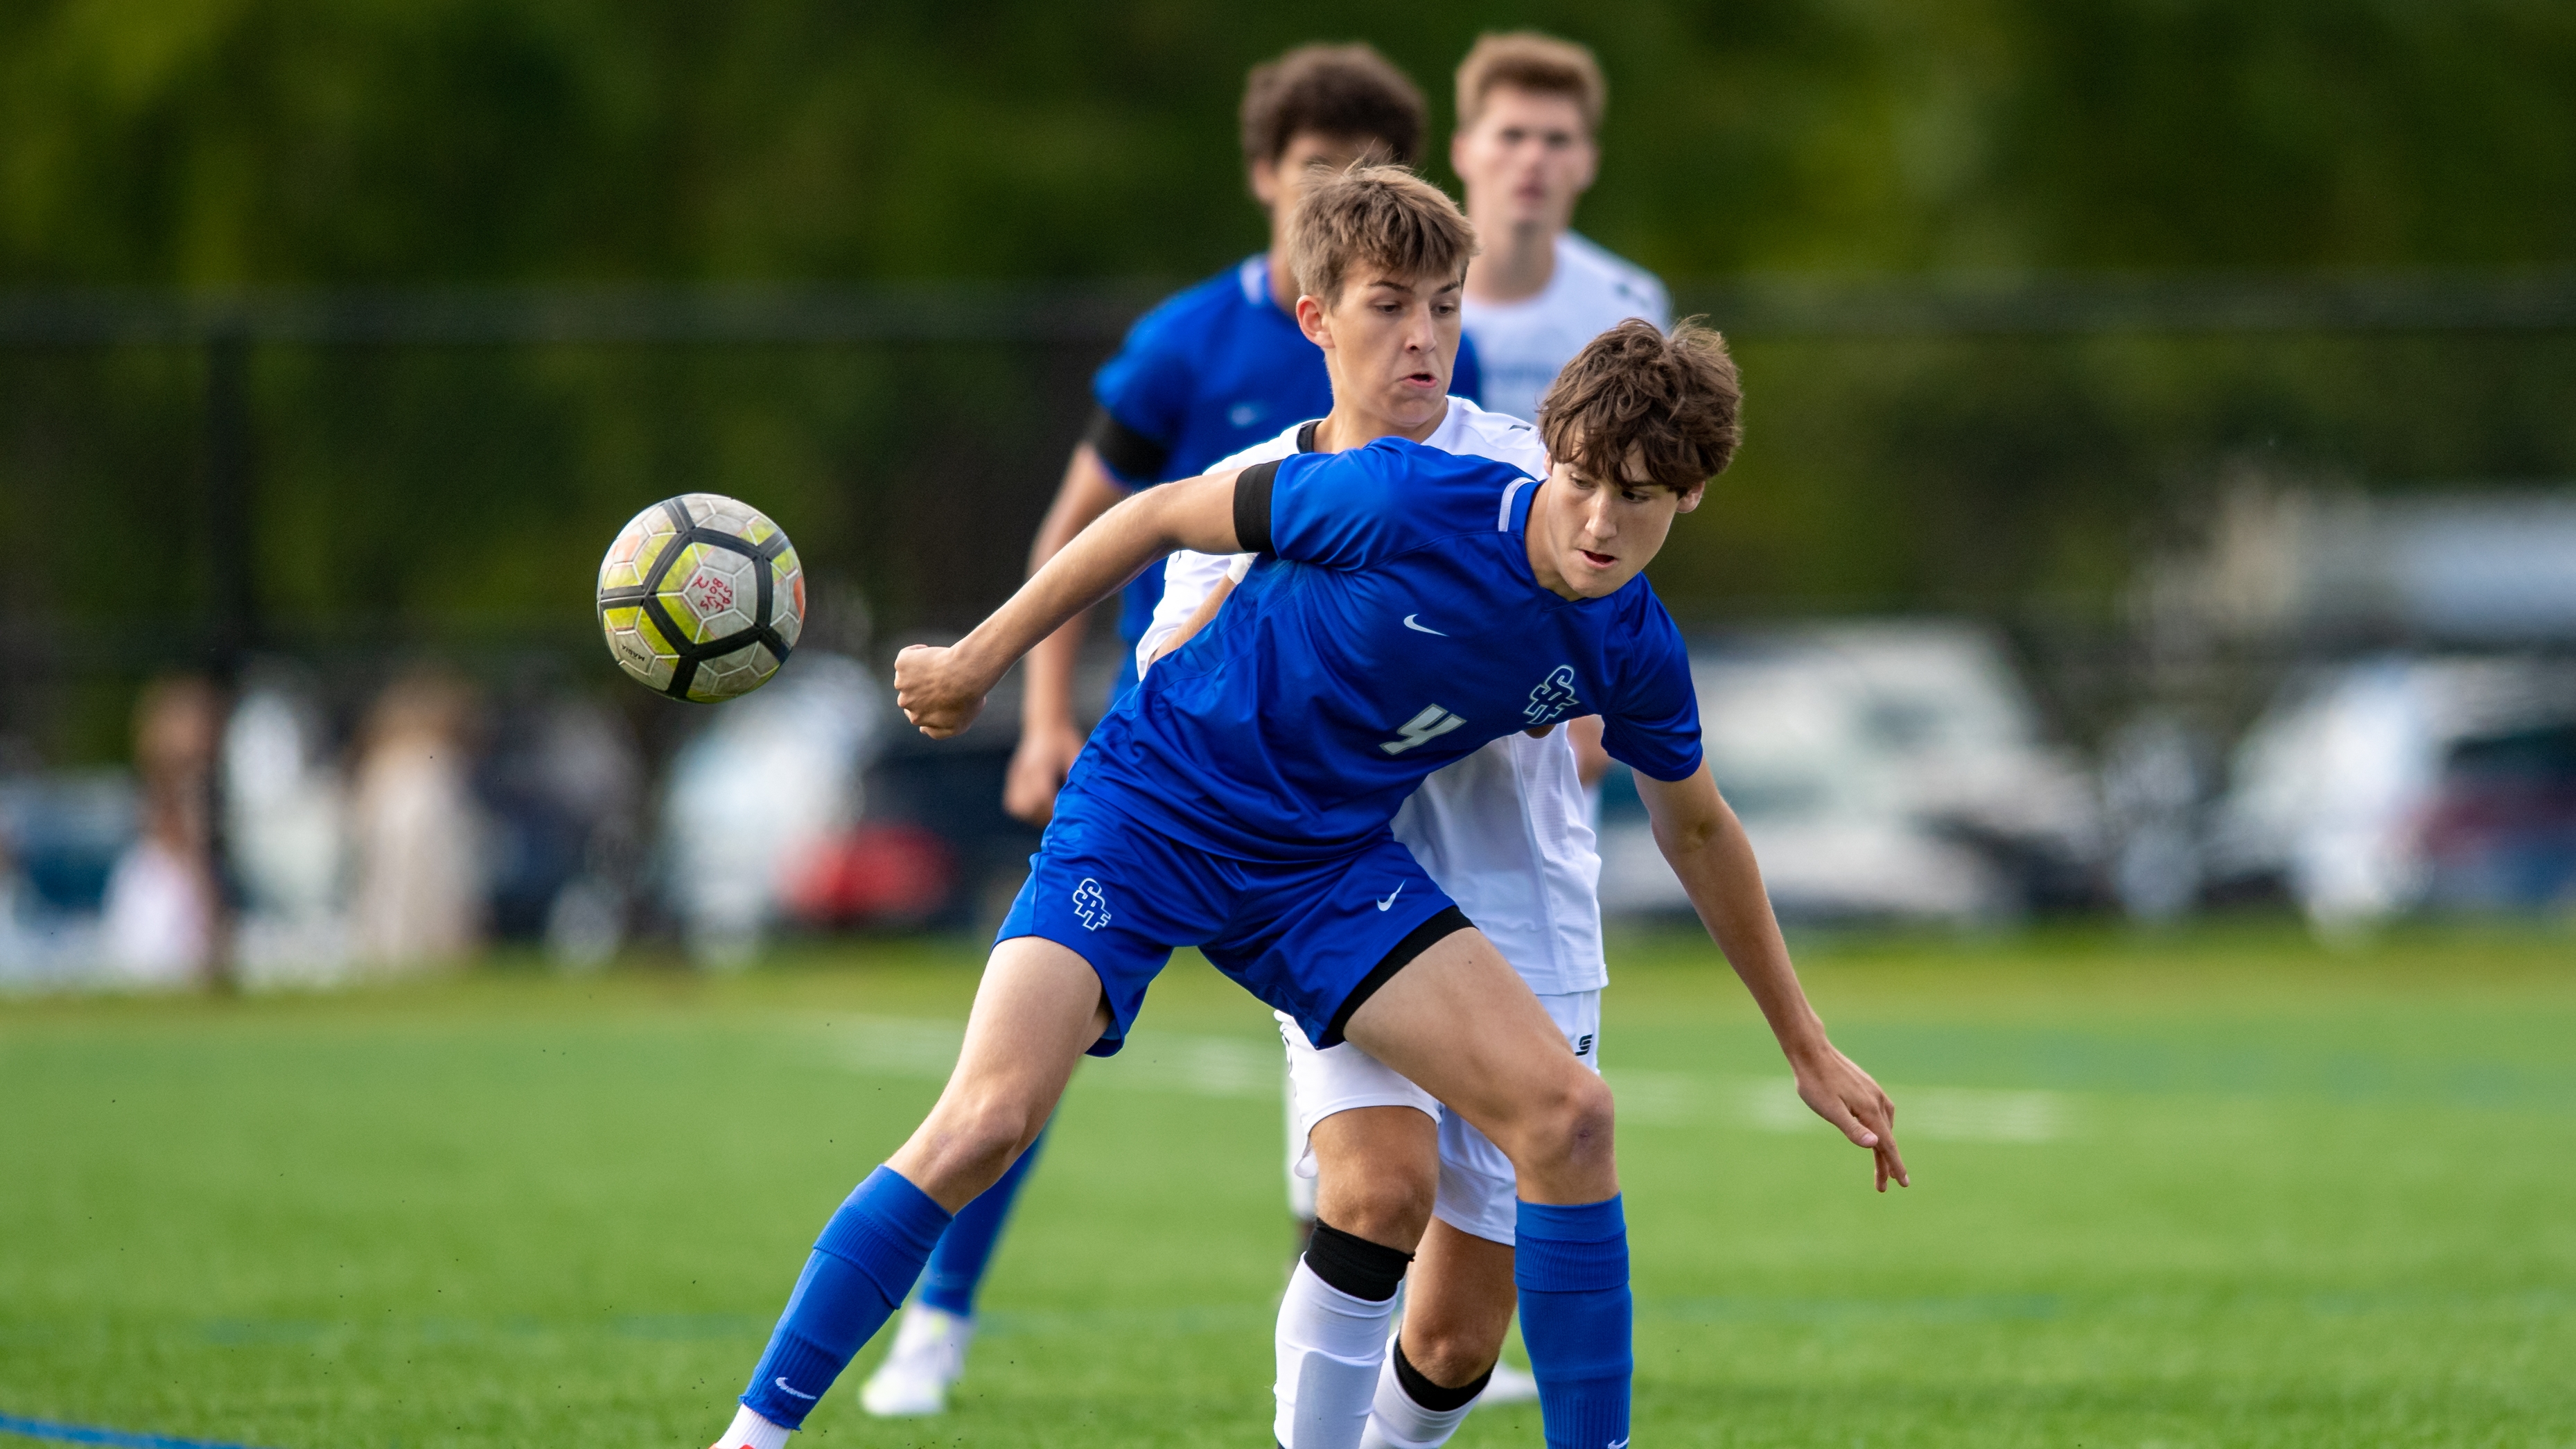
(1312, 938)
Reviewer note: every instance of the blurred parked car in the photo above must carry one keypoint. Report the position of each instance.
(1884, 771)
(2373, 788)
(770, 781)
(60, 838)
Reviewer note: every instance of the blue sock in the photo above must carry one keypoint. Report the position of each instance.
(861, 1268)
(957, 1265)
(1571, 1266)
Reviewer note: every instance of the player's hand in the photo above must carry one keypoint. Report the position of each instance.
(1843, 1094)
(937, 690)
(1038, 768)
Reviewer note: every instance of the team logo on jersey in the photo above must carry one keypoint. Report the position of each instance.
(1422, 729)
(1554, 698)
(1090, 904)
(1583, 1045)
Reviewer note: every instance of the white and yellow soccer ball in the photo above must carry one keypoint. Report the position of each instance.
(701, 597)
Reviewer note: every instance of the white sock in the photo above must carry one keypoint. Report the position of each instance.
(1330, 1348)
(750, 1431)
(1397, 1422)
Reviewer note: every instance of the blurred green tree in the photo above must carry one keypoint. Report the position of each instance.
(360, 140)
(252, 143)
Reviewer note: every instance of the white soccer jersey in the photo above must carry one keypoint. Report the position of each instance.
(1505, 831)
(1523, 345)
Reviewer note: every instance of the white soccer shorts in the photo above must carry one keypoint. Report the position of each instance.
(1478, 1192)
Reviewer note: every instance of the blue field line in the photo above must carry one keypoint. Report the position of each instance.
(88, 1434)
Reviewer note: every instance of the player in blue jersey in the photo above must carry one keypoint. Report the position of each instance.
(1214, 369)
(1205, 373)
(1406, 607)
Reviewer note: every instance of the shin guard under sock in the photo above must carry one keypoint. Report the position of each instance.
(1332, 1337)
(860, 1269)
(1571, 1266)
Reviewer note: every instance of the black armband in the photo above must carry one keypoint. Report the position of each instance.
(1252, 506)
(1130, 454)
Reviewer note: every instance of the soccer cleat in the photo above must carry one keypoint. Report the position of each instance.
(1508, 1386)
(929, 1354)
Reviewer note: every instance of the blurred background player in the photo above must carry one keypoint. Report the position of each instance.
(1527, 148)
(1208, 372)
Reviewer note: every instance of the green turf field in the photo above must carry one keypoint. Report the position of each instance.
(2217, 1188)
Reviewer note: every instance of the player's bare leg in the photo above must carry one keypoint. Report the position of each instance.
(1377, 1173)
(1037, 1009)
(1457, 1308)
(1462, 1024)
(1035, 1013)
(1458, 1022)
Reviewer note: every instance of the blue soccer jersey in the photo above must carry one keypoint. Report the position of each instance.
(1390, 626)
(1210, 372)
(1239, 800)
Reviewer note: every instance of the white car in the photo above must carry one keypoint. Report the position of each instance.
(2368, 789)
(1888, 770)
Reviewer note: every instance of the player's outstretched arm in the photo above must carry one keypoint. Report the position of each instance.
(1699, 835)
(942, 690)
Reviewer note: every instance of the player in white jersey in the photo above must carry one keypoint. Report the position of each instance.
(1529, 112)
(1506, 832)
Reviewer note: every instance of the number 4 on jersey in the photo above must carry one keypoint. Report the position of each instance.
(1429, 725)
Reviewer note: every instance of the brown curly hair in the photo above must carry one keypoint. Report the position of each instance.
(1671, 400)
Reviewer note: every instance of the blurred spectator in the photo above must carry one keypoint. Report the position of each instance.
(413, 820)
(770, 782)
(162, 906)
(286, 827)
(563, 784)
(2152, 789)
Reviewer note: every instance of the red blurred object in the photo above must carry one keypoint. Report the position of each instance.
(890, 874)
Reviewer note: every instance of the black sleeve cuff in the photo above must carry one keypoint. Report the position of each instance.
(1252, 506)
(1131, 455)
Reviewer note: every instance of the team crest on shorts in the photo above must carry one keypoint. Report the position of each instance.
(1090, 904)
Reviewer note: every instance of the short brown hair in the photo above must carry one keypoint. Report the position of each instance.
(1526, 60)
(1346, 91)
(1382, 215)
(1674, 400)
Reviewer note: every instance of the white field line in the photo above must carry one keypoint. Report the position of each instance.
(1153, 1061)
(1225, 1066)
(1771, 1104)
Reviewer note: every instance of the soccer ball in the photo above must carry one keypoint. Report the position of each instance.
(701, 598)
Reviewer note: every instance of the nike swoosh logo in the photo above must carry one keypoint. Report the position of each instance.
(1427, 629)
(781, 1381)
(1618, 1444)
(1390, 900)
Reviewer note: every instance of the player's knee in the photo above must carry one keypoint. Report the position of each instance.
(1384, 1204)
(1573, 1118)
(984, 1133)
